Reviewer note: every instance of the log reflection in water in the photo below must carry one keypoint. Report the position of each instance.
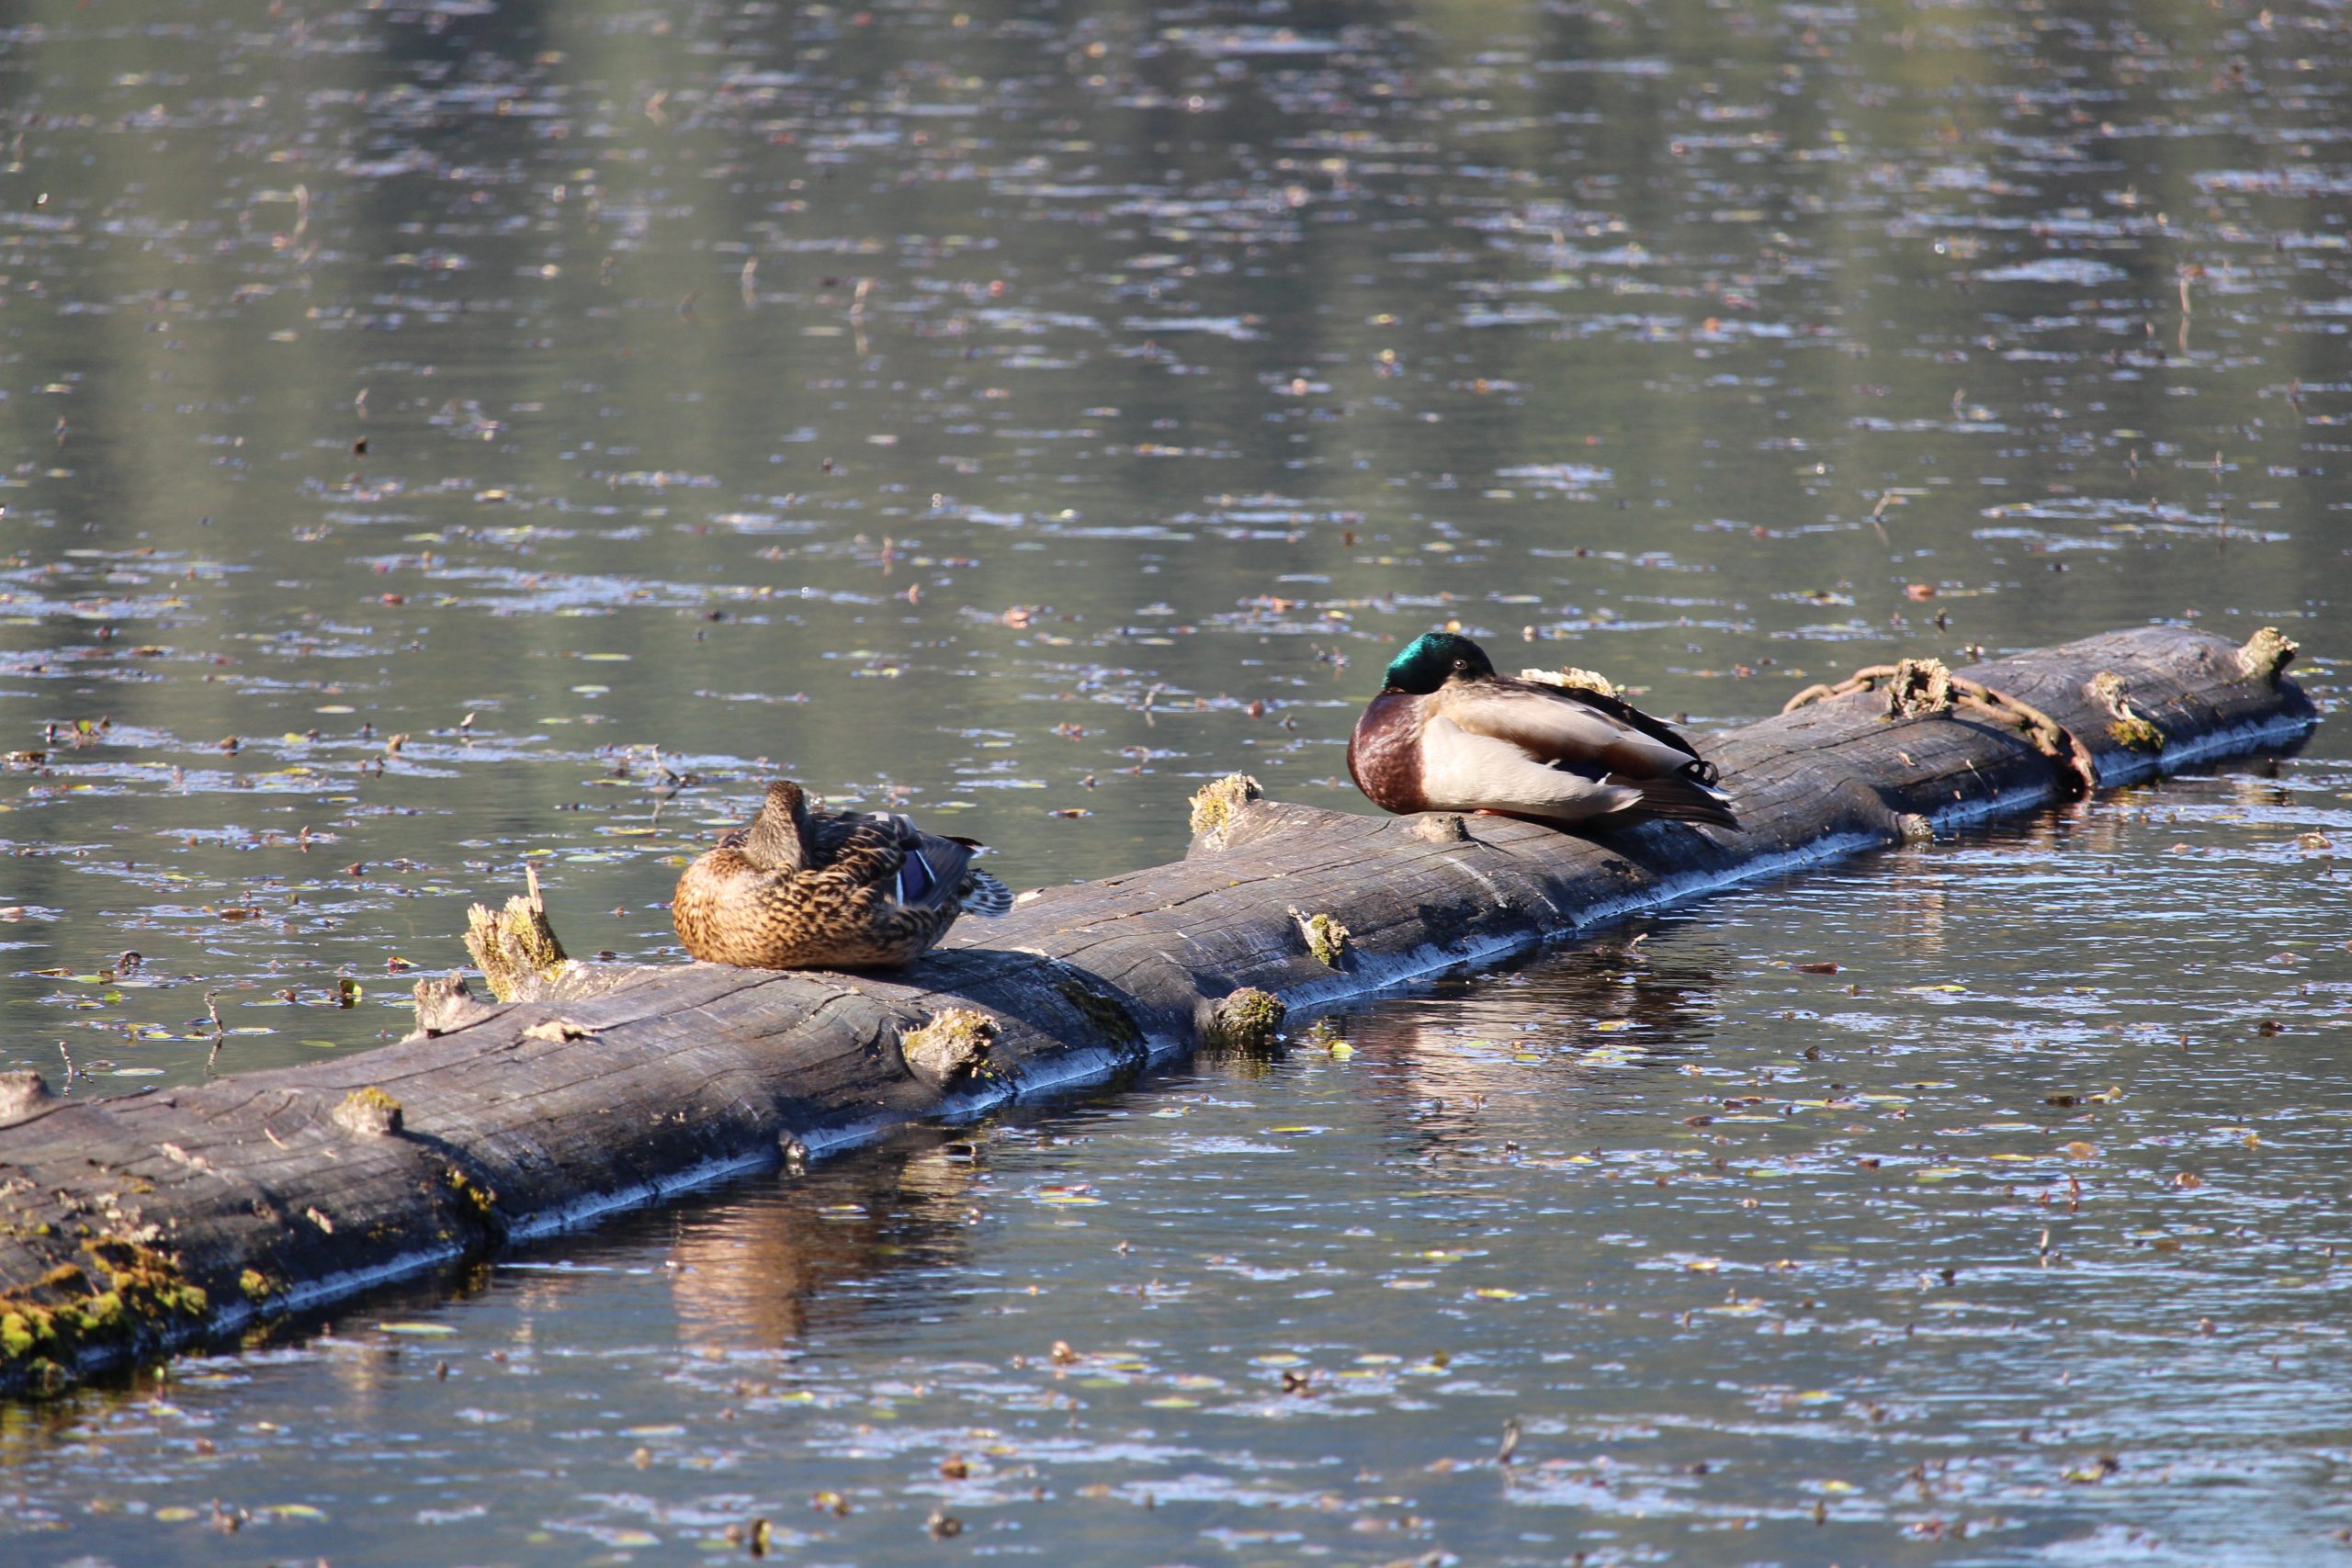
(849, 1243)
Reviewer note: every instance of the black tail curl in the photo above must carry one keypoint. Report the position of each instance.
(1685, 799)
(1700, 770)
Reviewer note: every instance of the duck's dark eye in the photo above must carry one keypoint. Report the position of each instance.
(1462, 664)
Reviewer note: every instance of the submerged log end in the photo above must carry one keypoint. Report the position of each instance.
(954, 1044)
(1245, 1020)
(1217, 806)
(2267, 654)
(515, 948)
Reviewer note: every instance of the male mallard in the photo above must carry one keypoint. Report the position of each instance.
(1447, 734)
(801, 889)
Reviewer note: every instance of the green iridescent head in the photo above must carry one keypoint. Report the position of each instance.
(1431, 659)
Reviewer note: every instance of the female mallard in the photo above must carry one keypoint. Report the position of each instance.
(1447, 734)
(800, 889)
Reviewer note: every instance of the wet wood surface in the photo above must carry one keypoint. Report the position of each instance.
(131, 1225)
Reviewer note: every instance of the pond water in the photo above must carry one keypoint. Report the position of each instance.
(444, 437)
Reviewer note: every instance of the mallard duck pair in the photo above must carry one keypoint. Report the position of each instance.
(1446, 733)
(802, 889)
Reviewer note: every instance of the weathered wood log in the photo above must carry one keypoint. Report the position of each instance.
(131, 1225)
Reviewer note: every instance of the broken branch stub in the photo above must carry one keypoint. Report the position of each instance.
(514, 948)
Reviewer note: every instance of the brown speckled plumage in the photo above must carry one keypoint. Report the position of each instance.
(828, 890)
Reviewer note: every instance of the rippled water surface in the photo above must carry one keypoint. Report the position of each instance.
(442, 436)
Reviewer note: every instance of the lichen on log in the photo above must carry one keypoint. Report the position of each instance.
(954, 1044)
(1215, 805)
(2129, 727)
(514, 948)
(602, 1086)
(1327, 938)
(111, 1293)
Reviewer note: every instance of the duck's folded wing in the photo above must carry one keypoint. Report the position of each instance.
(1461, 770)
(933, 871)
(1557, 724)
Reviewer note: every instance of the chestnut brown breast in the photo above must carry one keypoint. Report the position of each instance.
(1385, 753)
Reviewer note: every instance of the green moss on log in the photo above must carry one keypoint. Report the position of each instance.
(1106, 1014)
(1246, 1020)
(119, 1294)
(369, 1112)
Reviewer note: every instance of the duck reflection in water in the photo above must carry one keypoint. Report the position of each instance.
(1472, 1044)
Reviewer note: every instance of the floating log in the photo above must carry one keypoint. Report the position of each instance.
(131, 1225)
